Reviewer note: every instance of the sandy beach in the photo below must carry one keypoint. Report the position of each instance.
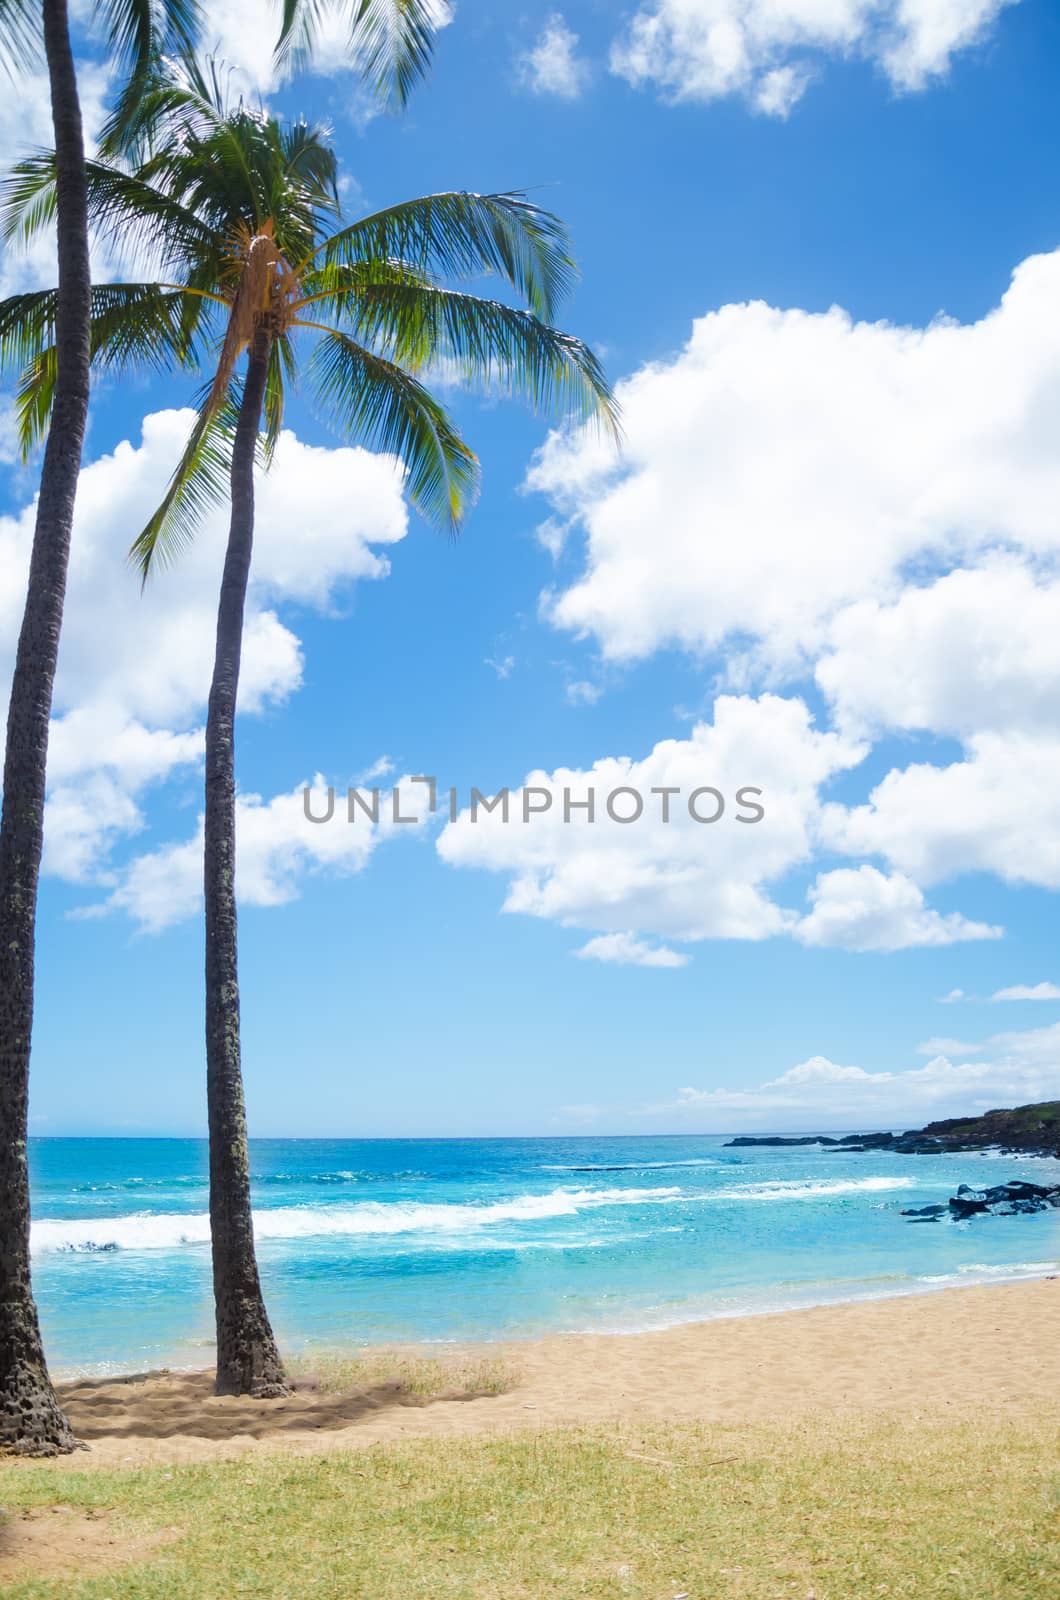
(954, 1352)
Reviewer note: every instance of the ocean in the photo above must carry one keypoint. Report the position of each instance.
(392, 1240)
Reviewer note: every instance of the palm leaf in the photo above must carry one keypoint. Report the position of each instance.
(20, 35)
(373, 399)
(133, 325)
(176, 96)
(201, 481)
(488, 342)
(462, 235)
(120, 206)
(391, 41)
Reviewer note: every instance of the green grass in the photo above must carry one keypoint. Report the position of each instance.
(833, 1509)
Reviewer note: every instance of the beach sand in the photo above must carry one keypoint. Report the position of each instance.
(953, 1353)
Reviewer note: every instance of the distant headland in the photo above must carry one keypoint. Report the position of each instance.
(1032, 1130)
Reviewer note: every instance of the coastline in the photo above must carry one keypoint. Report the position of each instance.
(952, 1353)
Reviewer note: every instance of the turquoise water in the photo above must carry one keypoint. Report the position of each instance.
(396, 1240)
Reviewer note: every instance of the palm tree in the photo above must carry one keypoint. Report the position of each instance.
(137, 30)
(391, 42)
(237, 207)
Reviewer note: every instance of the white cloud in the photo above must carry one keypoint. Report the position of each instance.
(1028, 991)
(885, 446)
(678, 879)
(861, 908)
(235, 31)
(380, 768)
(820, 1094)
(997, 811)
(903, 546)
(9, 450)
(276, 847)
(583, 693)
(952, 998)
(948, 1047)
(552, 66)
(974, 650)
(134, 668)
(692, 881)
(26, 126)
(707, 49)
(781, 89)
(626, 950)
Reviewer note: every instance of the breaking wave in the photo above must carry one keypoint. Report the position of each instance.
(170, 1230)
(166, 1231)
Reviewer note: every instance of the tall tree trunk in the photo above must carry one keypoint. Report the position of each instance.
(30, 1418)
(248, 1361)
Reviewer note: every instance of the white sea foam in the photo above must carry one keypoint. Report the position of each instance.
(165, 1230)
(170, 1230)
(809, 1189)
(632, 1166)
(998, 1269)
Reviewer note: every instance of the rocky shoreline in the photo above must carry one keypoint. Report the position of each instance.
(1001, 1200)
(1032, 1130)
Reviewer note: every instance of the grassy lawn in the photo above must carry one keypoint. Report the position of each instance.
(830, 1509)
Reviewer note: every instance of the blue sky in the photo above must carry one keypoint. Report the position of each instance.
(820, 262)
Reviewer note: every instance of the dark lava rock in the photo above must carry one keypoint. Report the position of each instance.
(774, 1140)
(1016, 1199)
(925, 1213)
(1032, 1130)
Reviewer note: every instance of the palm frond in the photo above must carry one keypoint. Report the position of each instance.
(282, 369)
(371, 398)
(391, 41)
(20, 35)
(201, 481)
(177, 96)
(340, 286)
(28, 198)
(487, 342)
(133, 325)
(121, 206)
(463, 235)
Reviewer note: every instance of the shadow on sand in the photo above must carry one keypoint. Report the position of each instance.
(165, 1405)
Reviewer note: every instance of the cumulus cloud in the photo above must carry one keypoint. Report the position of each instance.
(708, 49)
(966, 663)
(902, 547)
(1028, 991)
(243, 34)
(786, 465)
(626, 950)
(25, 126)
(820, 1094)
(861, 908)
(948, 1047)
(677, 878)
(276, 848)
(996, 811)
(134, 669)
(553, 66)
(688, 880)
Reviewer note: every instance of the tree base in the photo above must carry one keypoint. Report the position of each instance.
(31, 1423)
(254, 1367)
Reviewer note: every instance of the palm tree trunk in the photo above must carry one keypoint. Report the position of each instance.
(30, 1418)
(248, 1361)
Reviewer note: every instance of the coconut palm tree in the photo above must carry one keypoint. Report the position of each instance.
(390, 41)
(137, 30)
(254, 286)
